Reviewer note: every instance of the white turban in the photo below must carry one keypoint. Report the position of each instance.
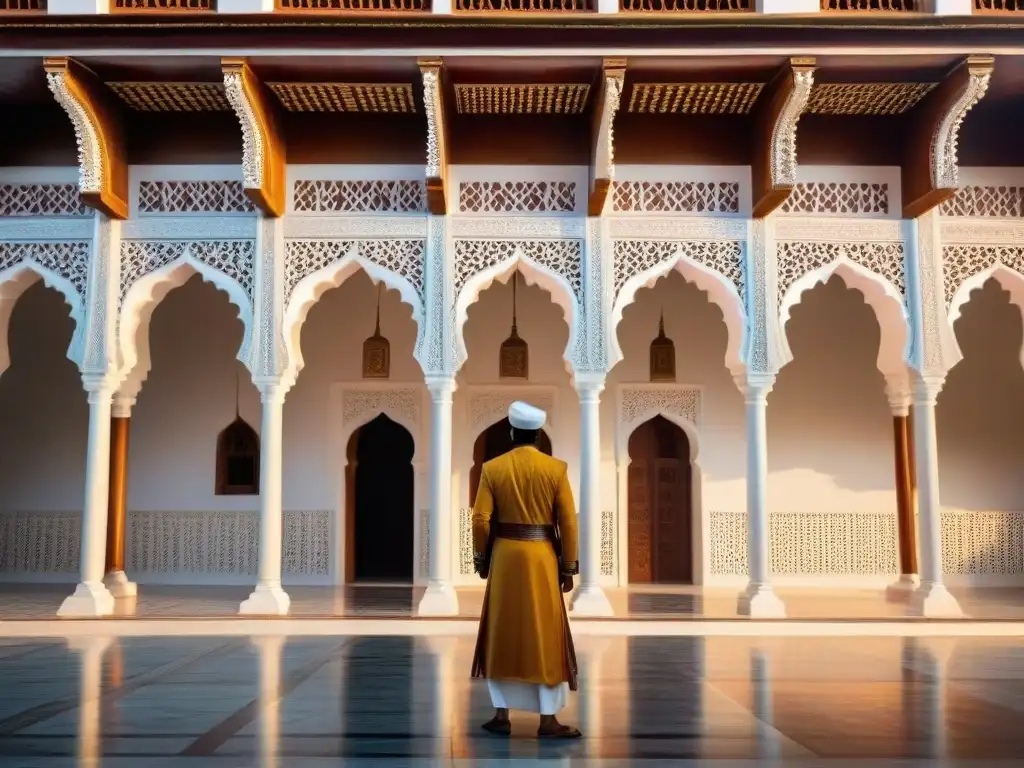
(525, 416)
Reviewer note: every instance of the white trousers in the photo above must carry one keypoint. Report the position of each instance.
(528, 697)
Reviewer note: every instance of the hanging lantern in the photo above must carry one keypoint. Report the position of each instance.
(377, 350)
(663, 355)
(514, 356)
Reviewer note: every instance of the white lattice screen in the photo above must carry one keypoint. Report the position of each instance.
(43, 543)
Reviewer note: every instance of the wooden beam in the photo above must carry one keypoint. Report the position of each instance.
(776, 116)
(102, 166)
(931, 167)
(432, 71)
(263, 149)
(602, 164)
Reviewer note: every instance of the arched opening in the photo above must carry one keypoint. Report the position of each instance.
(238, 460)
(380, 517)
(492, 443)
(660, 504)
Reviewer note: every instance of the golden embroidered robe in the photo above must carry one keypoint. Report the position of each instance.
(524, 629)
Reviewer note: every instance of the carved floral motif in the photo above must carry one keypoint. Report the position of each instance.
(233, 258)
(404, 258)
(636, 257)
(69, 260)
(962, 262)
(562, 257)
(796, 259)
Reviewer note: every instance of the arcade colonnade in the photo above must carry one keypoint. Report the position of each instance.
(915, 274)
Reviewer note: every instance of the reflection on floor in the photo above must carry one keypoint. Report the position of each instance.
(41, 601)
(277, 702)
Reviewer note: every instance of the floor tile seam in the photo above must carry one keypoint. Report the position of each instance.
(59, 706)
(208, 743)
(758, 719)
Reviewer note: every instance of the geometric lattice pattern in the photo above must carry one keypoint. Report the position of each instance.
(961, 262)
(854, 6)
(517, 197)
(424, 547)
(173, 97)
(390, 98)
(232, 258)
(40, 542)
(523, 99)
(640, 403)
(194, 197)
(69, 260)
(466, 542)
(400, 257)
(41, 200)
(849, 198)
(361, 6)
(797, 258)
(986, 202)
(223, 543)
(165, 6)
(634, 257)
(312, 196)
(607, 542)
(694, 98)
(865, 98)
(983, 543)
(559, 256)
(676, 197)
(401, 404)
(811, 543)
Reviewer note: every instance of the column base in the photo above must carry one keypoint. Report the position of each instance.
(90, 598)
(933, 601)
(266, 600)
(591, 600)
(118, 585)
(440, 599)
(759, 601)
(903, 587)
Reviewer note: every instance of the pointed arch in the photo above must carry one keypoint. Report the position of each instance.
(720, 290)
(885, 300)
(1009, 280)
(629, 427)
(309, 289)
(14, 281)
(146, 293)
(534, 273)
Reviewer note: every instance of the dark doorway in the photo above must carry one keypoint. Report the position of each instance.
(380, 515)
(660, 494)
(490, 444)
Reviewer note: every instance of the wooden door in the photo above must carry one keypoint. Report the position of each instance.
(640, 571)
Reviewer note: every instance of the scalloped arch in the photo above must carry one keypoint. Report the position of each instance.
(14, 281)
(1009, 279)
(879, 294)
(719, 289)
(146, 293)
(307, 293)
(348, 430)
(557, 287)
(629, 427)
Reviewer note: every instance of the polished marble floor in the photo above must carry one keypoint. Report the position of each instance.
(41, 601)
(278, 702)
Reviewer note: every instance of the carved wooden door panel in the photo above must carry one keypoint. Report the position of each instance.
(672, 529)
(640, 517)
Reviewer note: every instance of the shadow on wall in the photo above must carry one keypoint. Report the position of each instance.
(980, 415)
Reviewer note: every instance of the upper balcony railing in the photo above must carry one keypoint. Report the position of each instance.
(869, 6)
(686, 6)
(163, 6)
(23, 6)
(355, 6)
(525, 6)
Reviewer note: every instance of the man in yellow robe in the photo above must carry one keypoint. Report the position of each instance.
(525, 540)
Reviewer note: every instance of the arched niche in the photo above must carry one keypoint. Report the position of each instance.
(879, 293)
(720, 290)
(1010, 280)
(493, 442)
(308, 291)
(534, 273)
(238, 460)
(380, 503)
(145, 294)
(14, 281)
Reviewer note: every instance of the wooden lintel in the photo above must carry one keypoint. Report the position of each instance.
(602, 162)
(103, 168)
(931, 167)
(773, 168)
(432, 71)
(263, 149)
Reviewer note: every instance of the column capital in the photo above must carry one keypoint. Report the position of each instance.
(755, 386)
(589, 385)
(272, 388)
(441, 387)
(98, 386)
(123, 404)
(927, 389)
(900, 394)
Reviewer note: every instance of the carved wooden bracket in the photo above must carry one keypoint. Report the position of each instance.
(781, 104)
(931, 169)
(263, 150)
(102, 169)
(437, 135)
(602, 166)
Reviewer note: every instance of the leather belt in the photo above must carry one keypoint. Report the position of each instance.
(525, 532)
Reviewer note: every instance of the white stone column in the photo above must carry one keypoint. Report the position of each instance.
(440, 598)
(590, 599)
(759, 599)
(931, 598)
(269, 598)
(91, 597)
